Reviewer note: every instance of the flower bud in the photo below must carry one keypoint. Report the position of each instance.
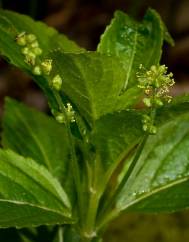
(56, 83)
(37, 70)
(34, 44)
(25, 50)
(21, 39)
(60, 118)
(30, 38)
(37, 51)
(147, 102)
(46, 66)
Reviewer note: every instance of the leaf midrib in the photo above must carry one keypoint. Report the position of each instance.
(132, 57)
(157, 190)
(38, 184)
(35, 206)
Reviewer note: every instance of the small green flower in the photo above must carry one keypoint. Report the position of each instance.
(34, 44)
(148, 125)
(156, 83)
(56, 83)
(25, 50)
(70, 113)
(60, 118)
(37, 70)
(46, 66)
(37, 51)
(30, 38)
(21, 39)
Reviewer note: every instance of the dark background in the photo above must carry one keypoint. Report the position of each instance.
(84, 21)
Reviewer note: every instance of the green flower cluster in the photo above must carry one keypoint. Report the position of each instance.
(59, 116)
(156, 84)
(32, 52)
(30, 47)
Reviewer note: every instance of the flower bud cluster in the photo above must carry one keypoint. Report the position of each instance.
(156, 83)
(148, 125)
(30, 47)
(70, 113)
(56, 83)
(32, 51)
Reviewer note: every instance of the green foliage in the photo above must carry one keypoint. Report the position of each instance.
(25, 132)
(159, 180)
(30, 196)
(97, 158)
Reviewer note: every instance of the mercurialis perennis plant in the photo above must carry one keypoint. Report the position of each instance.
(57, 170)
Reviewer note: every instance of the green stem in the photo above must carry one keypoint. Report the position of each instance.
(94, 198)
(60, 234)
(91, 215)
(75, 167)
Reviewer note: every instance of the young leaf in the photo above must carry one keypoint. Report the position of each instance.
(92, 82)
(135, 43)
(29, 195)
(33, 134)
(160, 179)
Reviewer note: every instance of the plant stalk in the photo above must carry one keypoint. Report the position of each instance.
(75, 167)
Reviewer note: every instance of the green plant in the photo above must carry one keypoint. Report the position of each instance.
(101, 155)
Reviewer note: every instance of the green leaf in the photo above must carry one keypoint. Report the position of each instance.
(135, 43)
(29, 195)
(33, 134)
(12, 24)
(160, 180)
(93, 83)
(115, 135)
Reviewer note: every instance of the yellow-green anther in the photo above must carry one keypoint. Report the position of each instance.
(70, 113)
(37, 70)
(60, 118)
(57, 83)
(46, 66)
(30, 38)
